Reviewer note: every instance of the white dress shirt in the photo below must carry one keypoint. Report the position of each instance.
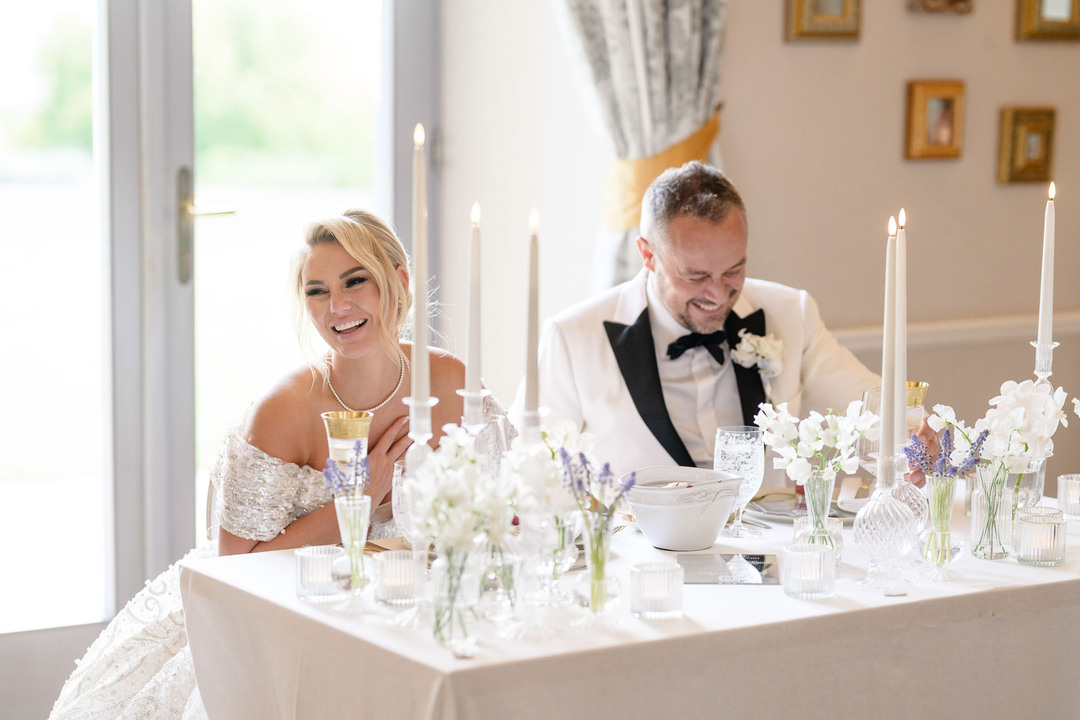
(700, 393)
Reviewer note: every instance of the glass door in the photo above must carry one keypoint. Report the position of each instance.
(95, 119)
(53, 295)
(286, 102)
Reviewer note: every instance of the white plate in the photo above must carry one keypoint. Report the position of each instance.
(779, 506)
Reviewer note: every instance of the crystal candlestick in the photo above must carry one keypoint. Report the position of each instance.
(1044, 361)
(884, 528)
(472, 416)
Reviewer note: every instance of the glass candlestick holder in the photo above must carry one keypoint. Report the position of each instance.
(1044, 361)
(884, 528)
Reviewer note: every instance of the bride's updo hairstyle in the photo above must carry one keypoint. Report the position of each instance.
(375, 247)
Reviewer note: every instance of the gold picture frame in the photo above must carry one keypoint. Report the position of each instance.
(821, 20)
(940, 6)
(935, 119)
(1038, 20)
(1026, 148)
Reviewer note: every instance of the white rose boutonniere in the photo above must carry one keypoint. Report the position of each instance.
(766, 353)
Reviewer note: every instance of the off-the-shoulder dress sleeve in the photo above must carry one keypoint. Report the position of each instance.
(260, 495)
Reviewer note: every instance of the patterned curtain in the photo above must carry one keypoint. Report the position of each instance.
(651, 72)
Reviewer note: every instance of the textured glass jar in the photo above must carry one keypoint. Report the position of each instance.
(993, 504)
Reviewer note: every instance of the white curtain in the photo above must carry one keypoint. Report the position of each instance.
(651, 73)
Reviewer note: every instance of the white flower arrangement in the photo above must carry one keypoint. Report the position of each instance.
(454, 497)
(823, 443)
(766, 353)
(538, 468)
(1020, 423)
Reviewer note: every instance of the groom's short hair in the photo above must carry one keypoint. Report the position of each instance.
(694, 189)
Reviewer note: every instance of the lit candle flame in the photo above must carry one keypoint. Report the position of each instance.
(1053, 190)
(476, 213)
(892, 226)
(903, 218)
(418, 135)
(534, 220)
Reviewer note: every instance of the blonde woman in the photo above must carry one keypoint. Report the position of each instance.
(352, 280)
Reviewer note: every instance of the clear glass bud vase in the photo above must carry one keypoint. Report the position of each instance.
(885, 528)
(353, 516)
(939, 546)
(598, 588)
(993, 506)
(908, 494)
(456, 588)
(499, 581)
(818, 490)
(1029, 484)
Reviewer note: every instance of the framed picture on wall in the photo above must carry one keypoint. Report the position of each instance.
(935, 119)
(940, 6)
(821, 20)
(1026, 149)
(1048, 20)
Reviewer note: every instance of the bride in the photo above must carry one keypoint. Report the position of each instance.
(352, 279)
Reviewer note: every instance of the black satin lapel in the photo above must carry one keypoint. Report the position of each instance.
(748, 380)
(636, 355)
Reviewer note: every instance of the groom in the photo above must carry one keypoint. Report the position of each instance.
(655, 365)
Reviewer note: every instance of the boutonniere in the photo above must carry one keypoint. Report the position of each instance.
(765, 353)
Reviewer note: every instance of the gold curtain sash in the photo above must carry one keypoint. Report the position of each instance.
(627, 180)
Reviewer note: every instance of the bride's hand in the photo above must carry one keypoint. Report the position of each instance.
(382, 455)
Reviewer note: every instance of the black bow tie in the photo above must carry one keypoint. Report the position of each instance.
(712, 342)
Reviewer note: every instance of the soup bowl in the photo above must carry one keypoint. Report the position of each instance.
(682, 508)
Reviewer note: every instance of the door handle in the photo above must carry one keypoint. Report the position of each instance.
(186, 212)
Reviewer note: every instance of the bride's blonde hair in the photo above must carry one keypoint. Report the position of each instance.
(376, 247)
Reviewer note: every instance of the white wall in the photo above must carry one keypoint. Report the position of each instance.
(813, 137)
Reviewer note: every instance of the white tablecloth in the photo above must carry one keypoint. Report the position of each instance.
(1003, 642)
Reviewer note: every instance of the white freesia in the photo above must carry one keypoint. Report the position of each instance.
(537, 469)
(819, 443)
(454, 497)
(1076, 406)
(1022, 420)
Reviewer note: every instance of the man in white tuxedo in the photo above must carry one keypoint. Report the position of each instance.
(647, 367)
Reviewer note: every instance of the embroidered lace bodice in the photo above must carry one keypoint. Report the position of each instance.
(259, 494)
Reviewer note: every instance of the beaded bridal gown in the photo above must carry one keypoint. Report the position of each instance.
(140, 665)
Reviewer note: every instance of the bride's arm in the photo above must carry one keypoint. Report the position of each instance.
(278, 425)
(316, 528)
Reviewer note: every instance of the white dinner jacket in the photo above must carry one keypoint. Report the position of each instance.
(580, 377)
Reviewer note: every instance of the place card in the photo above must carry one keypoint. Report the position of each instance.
(729, 569)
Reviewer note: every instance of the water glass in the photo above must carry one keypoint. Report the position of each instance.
(656, 591)
(1040, 540)
(740, 449)
(1068, 494)
(399, 577)
(835, 526)
(808, 572)
(315, 578)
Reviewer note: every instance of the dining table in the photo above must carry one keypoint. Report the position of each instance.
(1000, 640)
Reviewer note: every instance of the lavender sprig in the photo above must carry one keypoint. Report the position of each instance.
(340, 482)
(939, 463)
(578, 478)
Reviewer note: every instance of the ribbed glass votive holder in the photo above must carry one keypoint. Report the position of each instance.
(1040, 540)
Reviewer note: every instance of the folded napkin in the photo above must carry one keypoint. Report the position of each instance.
(849, 488)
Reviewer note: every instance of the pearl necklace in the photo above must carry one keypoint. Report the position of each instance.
(401, 379)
